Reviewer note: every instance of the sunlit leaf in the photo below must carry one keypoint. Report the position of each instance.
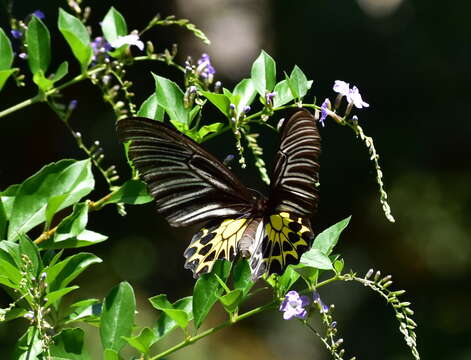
(151, 109)
(327, 239)
(77, 36)
(39, 45)
(6, 52)
(69, 344)
(117, 319)
(70, 177)
(207, 290)
(263, 73)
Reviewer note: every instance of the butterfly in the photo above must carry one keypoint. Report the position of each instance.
(192, 186)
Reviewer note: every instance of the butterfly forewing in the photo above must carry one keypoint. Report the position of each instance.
(293, 181)
(189, 184)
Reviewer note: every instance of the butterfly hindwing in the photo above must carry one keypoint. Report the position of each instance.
(282, 242)
(188, 183)
(293, 181)
(222, 240)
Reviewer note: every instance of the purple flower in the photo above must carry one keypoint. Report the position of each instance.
(39, 14)
(269, 97)
(205, 70)
(100, 50)
(23, 55)
(355, 98)
(246, 109)
(325, 107)
(353, 94)
(17, 34)
(293, 306)
(341, 87)
(131, 39)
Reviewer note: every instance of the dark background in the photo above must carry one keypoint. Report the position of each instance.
(410, 60)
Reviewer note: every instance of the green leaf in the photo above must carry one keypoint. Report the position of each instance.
(71, 225)
(208, 129)
(243, 94)
(38, 43)
(11, 314)
(69, 344)
(29, 249)
(287, 279)
(133, 192)
(143, 341)
(110, 354)
(160, 302)
(10, 275)
(70, 177)
(170, 97)
(298, 83)
(8, 197)
(88, 311)
(165, 324)
(3, 221)
(71, 232)
(283, 94)
(29, 346)
(53, 205)
(327, 239)
(62, 273)
(338, 266)
(61, 71)
(317, 259)
(221, 101)
(113, 25)
(151, 109)
(10, 252)
(77, 36)
(263, 73)
(309, 273)
(6, 52)
(231, 300)
(207, 290)
(242, 276)
(4, 75)
(117, 319)
(43, 83)
(55, 296)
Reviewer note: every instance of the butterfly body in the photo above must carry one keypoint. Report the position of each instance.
(191, 186)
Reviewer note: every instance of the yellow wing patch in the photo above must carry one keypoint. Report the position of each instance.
(215, 242)
(284, 240)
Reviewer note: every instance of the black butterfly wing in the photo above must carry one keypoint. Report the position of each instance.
(296, 172)
(188, 183)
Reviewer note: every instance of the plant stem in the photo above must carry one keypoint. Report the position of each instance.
(43, 96)
(205, 333)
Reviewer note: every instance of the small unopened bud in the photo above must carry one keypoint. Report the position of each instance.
(246, 109)
(72, 105)
(280, 124)
(368, 274)
(29, 315)
(217, 86)
(228, 159)
(377, 276)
